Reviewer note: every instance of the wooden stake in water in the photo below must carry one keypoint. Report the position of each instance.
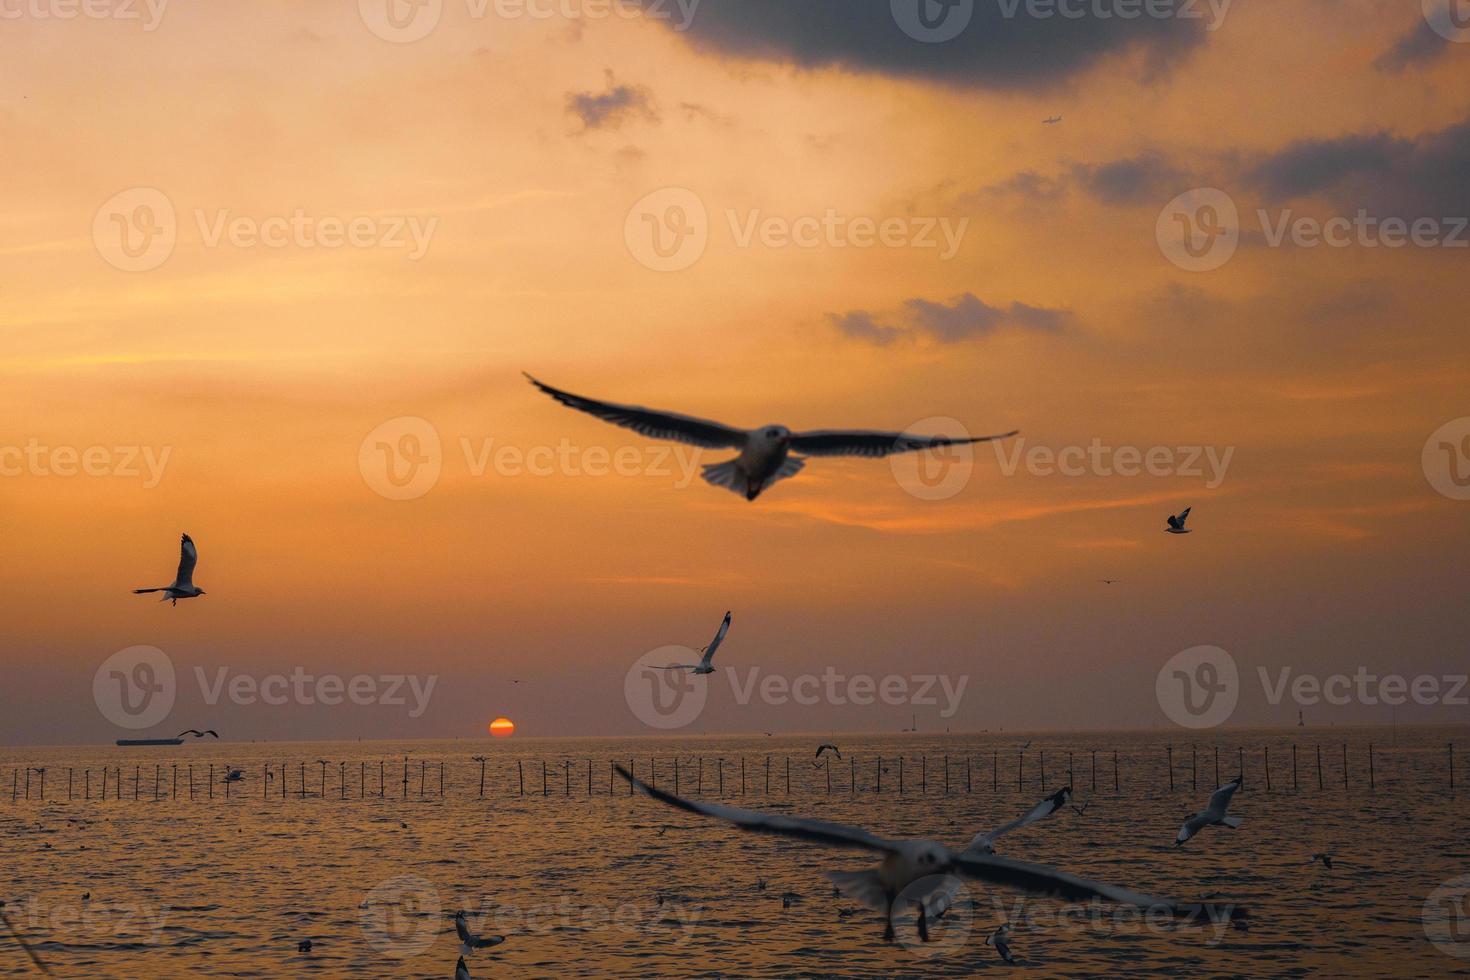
(653, 772)
(1268, 768)
(900, 775)
(788, 775)
(946, 774)
(1020, 759)
(1043, 770)
(1372, 784)
(968, 788)
(923, 773)
(1241, 770)
(1171, 768)
(1319, 767)
(878, 775)
(852, 780)
(1217, 765)
(1115, 770)
(1294, 783)
(1194, 768)
(521, 775)
(995, 771)
(1344, 766)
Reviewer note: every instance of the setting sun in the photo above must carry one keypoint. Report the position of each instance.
(502, 728)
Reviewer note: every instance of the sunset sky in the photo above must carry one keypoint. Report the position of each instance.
(521, 147)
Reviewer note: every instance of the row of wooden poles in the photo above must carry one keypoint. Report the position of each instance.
(276, 781)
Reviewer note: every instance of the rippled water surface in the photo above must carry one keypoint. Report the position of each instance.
(612, 885)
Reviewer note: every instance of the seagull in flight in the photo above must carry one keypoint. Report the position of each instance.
(826, 746)
(462, 972)
(984, 843)
(1212, 814)
(767, 454)
(183, 587)
(468, 941)
(705, 665)
(1325, 858)
(918, 868)
(1000, 940)
(197, 733)
(1051, 120)
(1176, 523)
(1108, 581)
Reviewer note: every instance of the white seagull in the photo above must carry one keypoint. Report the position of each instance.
(1176, 523)
(918, 868)
(183, 587)
(1212, 814)
(705, 665)
(1000, 940)
(984, 843)
(468, 941)
(767, 454)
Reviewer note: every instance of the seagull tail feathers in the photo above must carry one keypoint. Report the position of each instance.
(1231, 822)
(725, 475)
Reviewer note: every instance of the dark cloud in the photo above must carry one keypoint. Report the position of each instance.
(1002, 47)
(1132, 181)
(1422, 176)
(966, 317)
(613, 106)
(1421, 44)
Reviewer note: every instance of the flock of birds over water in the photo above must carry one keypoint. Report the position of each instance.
(918, 875)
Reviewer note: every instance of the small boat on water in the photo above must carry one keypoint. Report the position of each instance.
(150, 741)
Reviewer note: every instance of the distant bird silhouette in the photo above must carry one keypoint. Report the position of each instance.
(825, 746)
(1325, 858)
(1108, 581)
(706, 663)
(304, 946)
(767, 454)
(1051, 120)
(1176, 523)
(1082, 809)
(183, 586)
(1213, 814)
(197, 733)
(789, 899)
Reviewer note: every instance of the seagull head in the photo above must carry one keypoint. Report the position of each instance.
(774, 435)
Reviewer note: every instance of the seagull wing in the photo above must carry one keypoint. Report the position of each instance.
(1042, 880)
(816, 831)
(190, 731)
(188, 557)
(709, 651)
(649, 422)
(1040, 811)
(868, 442)
(462, 930)
(485, 942)
(1220, 798)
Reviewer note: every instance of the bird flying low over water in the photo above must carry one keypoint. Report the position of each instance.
(1000, 940)
(462, 972)
(706, 663)
(829, 747)
(1051, 120)
(1176, 522)
(1213, 813)
(984, 843)
(468, 941)
(767, 454)
(183, 586)
(917, 868)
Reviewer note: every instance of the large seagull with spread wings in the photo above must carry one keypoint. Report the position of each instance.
(767, 454)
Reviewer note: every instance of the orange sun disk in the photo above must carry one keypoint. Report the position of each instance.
(502, 728)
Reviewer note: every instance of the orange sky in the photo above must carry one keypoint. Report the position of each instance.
(260, 370)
